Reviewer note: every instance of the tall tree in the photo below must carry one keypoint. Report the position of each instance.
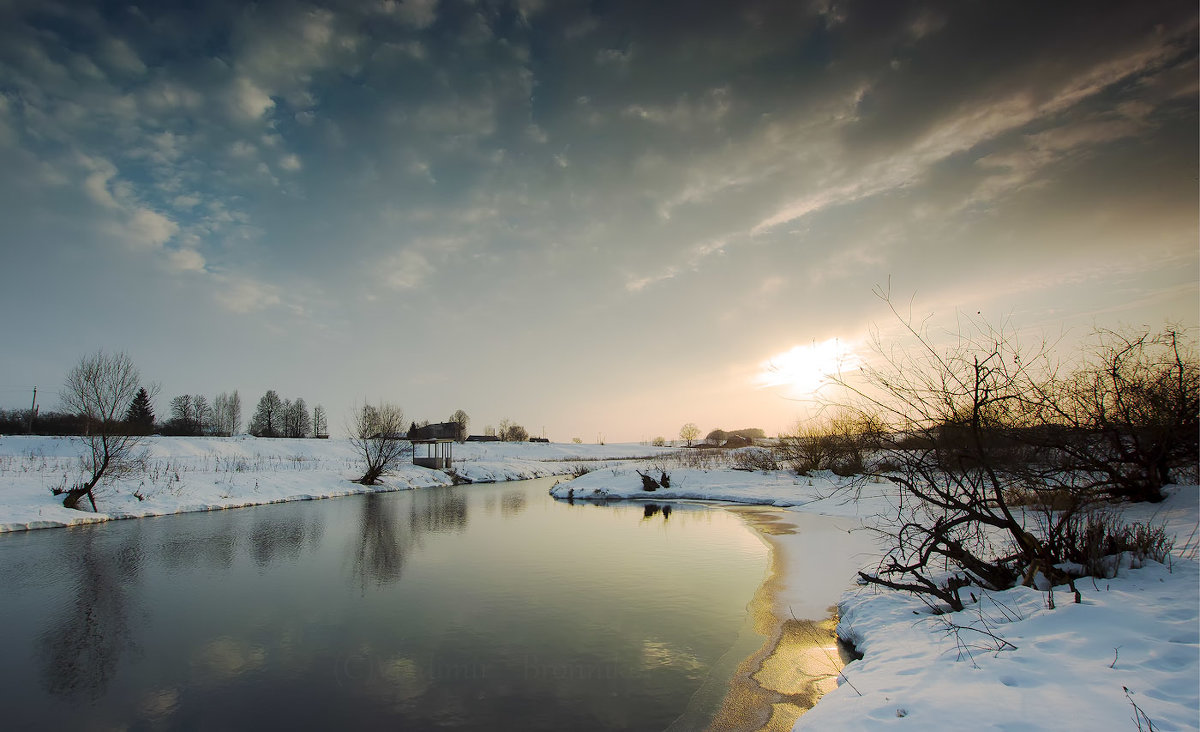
(268, 416)
(461, 422)
(140, 416)
(201, 413)
(320, 422)
(220, 418)
(296, 420)
(98, 388)
(235, 413)
(181, 422)
(689, 432)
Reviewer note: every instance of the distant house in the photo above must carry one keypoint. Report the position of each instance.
(538, 439)
(483, 438)
(439, 431)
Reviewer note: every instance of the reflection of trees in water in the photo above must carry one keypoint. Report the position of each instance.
(186, 552)
(276, 538)
(512, 503)
(82, 647)
(384, 543)
(650, 510)
(438, 511)
(382, 546)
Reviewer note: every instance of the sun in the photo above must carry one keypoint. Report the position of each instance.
(804, 370)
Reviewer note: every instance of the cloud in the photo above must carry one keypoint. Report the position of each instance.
(637, 284)
(185, 260)
(117, 56)
(146, 229)
(248, 100)
(406, 270)
(242, 294)
(290, 162)
(416, 13)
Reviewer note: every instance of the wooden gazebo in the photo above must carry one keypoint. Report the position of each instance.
(436, 441)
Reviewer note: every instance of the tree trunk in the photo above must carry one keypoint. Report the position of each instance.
(74, 494)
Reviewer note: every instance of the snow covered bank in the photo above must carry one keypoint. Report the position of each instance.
(774, 488)
(1017, 664)
(209, 473)
(1008, 661)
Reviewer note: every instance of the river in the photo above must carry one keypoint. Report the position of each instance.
(464, 607)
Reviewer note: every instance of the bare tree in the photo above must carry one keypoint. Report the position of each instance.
(99, 389)
(320, 422)
(956, 418)
(296, 421)
(201, 413)
(462, 421)
(268, 416)
(839, 440)
(377, 432)
(689, 432)
(182, 413)
(235, 413)
(220, 418)
(511, 431)
(1128, 416)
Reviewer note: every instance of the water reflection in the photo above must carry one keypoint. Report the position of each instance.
(263, 617)
(650, 510)
(382, 546)
(217, 550)
(512, 503)
(438, 511)
(272, 539)
(82, 647)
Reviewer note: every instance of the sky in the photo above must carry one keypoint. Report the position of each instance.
(596, 219)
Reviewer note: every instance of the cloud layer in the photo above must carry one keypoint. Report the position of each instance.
(675, 189)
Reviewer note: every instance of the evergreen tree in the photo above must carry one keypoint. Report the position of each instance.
(140, 416)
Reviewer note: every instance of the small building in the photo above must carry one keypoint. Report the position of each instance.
(439, 453)
(436, 442)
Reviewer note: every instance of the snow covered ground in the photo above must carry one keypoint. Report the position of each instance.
(207, 473)
(1012, 663)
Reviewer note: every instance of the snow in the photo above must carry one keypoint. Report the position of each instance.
(1008, 661)
(209, 473)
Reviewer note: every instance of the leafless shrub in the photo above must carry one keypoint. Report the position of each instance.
(377, 432)
(949, 418)
(754, 458)
(839, 441)
(99, 389)
(1129, 415)
(1096, 540)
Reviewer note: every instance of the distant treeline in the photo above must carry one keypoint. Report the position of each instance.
(16, 422)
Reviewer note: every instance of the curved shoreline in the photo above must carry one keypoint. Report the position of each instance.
(798, 661)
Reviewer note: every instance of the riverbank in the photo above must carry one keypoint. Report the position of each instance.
(184, 474)
(1128, 653)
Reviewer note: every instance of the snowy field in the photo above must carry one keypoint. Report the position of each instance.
(207, 473)
(1008, 661)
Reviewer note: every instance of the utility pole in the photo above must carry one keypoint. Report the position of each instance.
(32, 410)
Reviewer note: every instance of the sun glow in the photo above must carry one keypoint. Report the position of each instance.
(804, 370)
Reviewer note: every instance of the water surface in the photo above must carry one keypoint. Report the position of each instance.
(459, 607)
